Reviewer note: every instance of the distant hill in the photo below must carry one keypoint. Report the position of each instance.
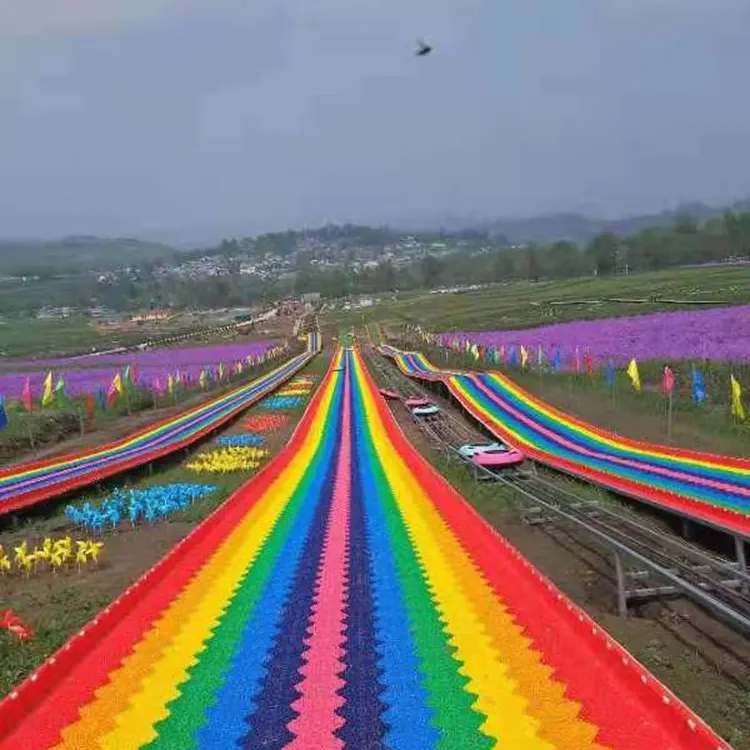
(576, 227)
(76, 253)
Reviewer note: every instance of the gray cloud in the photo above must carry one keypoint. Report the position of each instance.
(241, 116)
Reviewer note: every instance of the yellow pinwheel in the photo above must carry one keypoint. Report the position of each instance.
(94, 550)
(81, 553)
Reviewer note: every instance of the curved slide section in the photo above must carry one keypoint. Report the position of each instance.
(27, 484)
(345, 597)
(710, 488)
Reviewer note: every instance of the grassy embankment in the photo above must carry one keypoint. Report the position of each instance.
(525, 304)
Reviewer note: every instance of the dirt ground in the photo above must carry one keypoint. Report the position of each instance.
(705, 663)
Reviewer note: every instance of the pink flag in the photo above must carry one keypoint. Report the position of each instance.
(157, 386)
(26, 397)
(668, 381)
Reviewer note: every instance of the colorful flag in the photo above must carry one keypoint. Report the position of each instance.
(634, 375)
(668, 381)
(699, 388)
(89, 405)
(47, 395)
(524, 356)
(26, 397)
(3, 415)
(609, 373)
(588, 362)
(738, 410)
(60, 397)
(116, 385)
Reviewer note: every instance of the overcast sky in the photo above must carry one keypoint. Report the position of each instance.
(231, 116)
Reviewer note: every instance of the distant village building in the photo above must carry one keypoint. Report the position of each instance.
(311, 297)
(151, 316)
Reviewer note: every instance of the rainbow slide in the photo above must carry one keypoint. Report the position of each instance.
(345, 597)
(30, 483)
(709, 488)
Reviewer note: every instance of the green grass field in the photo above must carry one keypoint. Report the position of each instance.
(526, 304)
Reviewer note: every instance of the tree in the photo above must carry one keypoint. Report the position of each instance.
(432, 268)
(602, 251)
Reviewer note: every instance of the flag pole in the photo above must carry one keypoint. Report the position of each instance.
(669, 419)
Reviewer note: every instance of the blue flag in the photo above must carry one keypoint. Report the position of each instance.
(557, 362)
(101, 397)
(699, 387)
(610, 373)
(3, 415)
(513, 356)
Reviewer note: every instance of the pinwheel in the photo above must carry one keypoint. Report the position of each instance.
(11, 622)
(147, 504)
(94, 549)
(228, 459)
(280, 402)
(266, 422)
(247, 439)
(21, 551)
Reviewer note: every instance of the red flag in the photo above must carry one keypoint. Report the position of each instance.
(90, 405)
(26, 397)
(134, 374)
(589, 362)
(668, 381)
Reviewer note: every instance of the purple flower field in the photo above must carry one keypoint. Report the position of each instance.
(92, 373)
(718, 334)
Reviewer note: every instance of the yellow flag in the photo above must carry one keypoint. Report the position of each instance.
(524, 356)
(633, 374)
(203, 379)
(170, 384)
(47, 395)
(221, 371)
(239, 367)
(738, 410)
(116, 384)
(475, 351)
